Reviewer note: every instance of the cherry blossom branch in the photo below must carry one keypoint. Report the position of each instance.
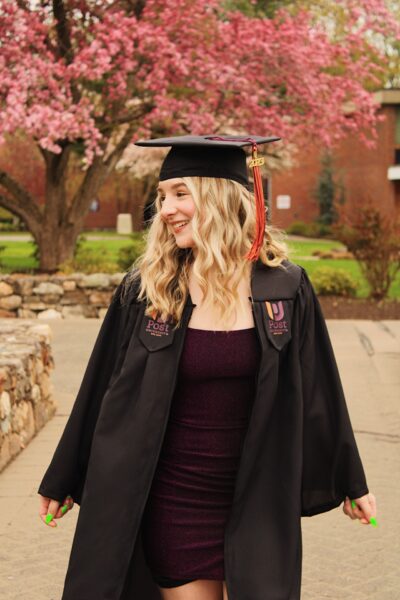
(132, 116)
(95, 175)
(23, 4)
(202, 72)
(63, 31)
(56, 164)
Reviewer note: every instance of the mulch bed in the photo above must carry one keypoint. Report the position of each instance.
(337, 307)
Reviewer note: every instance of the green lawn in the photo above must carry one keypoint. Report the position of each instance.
(301, 249)
(111, 246)
(306, 248)
(353, 269)
(16, 256)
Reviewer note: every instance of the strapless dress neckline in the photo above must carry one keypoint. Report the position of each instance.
(220, 330)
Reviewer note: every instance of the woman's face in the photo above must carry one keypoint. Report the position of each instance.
(177, 206)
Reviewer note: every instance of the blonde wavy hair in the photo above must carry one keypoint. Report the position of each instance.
(223, 227)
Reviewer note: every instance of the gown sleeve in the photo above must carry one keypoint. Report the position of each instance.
(67, 470)
(332, 467)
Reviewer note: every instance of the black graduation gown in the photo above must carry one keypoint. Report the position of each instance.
(299, 456)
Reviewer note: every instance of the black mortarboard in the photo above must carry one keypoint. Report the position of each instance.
(218, 156)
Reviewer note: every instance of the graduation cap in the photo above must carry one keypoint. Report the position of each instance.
(220, 156)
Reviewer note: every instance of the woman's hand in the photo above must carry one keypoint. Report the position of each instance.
(48, 506)
(365, 508)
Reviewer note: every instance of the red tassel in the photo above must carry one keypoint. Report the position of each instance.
(254, 252)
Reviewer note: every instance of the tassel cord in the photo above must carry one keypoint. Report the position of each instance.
(254, 252)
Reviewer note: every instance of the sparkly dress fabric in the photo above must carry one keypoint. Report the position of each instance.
(191, 495)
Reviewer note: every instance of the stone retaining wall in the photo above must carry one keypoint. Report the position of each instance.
(26, 392)
(57, 296)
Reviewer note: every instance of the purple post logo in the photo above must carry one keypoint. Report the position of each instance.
(157, 327)
(276, 313)
(156, 333)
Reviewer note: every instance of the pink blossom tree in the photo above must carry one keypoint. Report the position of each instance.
(84, 78)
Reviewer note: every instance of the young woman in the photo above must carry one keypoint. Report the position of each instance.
(211, 416)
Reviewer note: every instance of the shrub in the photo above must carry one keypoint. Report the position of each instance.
(10, 226)
(373, 241)
(313, 230)
(328, 281)
(325, 191)
(333, 253)
(90, 260)
(2, 248)
(298, 228)
(324, 230)
(128, 254)
(35, 252)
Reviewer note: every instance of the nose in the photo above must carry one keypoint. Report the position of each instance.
(168, 207)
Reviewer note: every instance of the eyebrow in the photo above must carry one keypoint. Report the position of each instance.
(176, 185)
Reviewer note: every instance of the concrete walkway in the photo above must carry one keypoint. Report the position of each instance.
(342, 559)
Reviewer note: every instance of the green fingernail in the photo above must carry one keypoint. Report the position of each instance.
(64, 509)
(373, 522)
(353, 504)
(49, 518)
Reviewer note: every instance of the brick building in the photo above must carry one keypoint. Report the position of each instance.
(366, 175)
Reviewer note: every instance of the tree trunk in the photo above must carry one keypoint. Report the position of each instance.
(56, 245)
(57, 225)
(63, 217)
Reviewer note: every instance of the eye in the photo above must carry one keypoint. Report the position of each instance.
(181, 193)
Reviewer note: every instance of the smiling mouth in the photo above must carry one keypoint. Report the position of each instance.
(179, 228)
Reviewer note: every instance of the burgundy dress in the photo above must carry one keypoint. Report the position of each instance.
(192, 490)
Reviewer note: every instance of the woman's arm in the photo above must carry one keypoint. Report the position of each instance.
(67, 470)
(332, 468)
